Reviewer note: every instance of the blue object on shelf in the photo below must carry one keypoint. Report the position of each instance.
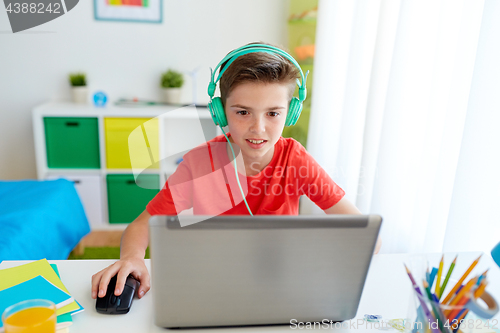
(495, 253)
(100, 99)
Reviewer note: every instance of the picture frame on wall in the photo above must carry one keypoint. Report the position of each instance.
(147, 11)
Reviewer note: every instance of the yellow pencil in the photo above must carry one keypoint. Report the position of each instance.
(461, 293)
(459, 283)
(438, 280)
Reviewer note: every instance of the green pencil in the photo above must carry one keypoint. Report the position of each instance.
(436, 312)
(452, 266)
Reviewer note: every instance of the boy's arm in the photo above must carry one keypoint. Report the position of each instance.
(134, 242)
(344, 206)
(135, 238)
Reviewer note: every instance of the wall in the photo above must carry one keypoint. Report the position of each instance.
(473, 223)
(123, 59)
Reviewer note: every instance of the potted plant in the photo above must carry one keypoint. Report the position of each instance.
(171, 83)
(79, 87)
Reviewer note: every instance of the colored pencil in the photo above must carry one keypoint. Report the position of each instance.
(455, 323)
(426, 310)
(411, 278)
(459, 283)
(456, 293)
(479, 291)
(433, 276)
(431, 299)
(427, 274)
(452, 266)
(438, 308)
(438, 280)
(461, 295)
(459, 306)
(461, 315)
(482, 276)
(468, 286)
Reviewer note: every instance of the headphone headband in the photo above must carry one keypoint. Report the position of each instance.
(253, 48)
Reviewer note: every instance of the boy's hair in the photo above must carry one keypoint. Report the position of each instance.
(258, 67)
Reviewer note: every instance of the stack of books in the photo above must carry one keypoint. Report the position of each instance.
(38, 280)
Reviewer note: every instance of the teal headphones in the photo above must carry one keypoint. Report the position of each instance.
(215, 105)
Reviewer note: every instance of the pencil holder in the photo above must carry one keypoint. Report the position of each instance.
(439, 303)
(435, 317)
(463, 313)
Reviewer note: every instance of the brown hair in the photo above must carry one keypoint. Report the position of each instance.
(258, 67)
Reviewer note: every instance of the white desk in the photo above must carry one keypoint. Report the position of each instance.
(387, 292)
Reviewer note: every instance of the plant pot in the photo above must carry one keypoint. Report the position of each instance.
(172, 95)
(80, 94)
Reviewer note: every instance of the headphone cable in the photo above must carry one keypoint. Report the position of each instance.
(236, 171)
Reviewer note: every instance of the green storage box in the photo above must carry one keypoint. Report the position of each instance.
(128, 199)
(72, 142)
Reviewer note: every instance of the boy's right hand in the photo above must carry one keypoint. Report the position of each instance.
(123, 268)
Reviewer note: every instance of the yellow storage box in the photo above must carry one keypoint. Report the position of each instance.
(131, 143)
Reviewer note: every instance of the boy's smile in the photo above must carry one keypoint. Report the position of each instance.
(256, 115)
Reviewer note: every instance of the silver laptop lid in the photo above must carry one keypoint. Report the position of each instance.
(244, 270)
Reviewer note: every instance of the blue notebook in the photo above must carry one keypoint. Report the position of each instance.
(80, 309)
(36, 288)
(64, 320)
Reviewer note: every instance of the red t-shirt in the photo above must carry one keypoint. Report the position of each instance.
(205, 181)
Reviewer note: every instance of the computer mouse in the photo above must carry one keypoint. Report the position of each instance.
(111, 304)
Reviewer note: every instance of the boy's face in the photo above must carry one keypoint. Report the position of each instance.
(257, 112)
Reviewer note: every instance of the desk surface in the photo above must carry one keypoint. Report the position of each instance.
(387, 292)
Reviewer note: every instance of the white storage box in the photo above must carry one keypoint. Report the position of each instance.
(90, 191)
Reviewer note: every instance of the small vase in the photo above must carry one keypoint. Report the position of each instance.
(80, 94)
(172, 95)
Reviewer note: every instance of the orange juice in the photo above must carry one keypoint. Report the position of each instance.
(31, 320)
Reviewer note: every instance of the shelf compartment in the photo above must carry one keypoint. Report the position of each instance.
(72, 142)
(127, 198)
(90, 193)
(131, 138)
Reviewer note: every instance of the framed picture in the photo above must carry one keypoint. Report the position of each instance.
(149, 11)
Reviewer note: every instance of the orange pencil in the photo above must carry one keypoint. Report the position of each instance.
(479, 291)
(459, 283)
(460, 304)
(438, 280)
(460, 295)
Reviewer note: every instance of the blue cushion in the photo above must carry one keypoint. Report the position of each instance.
(40, 219)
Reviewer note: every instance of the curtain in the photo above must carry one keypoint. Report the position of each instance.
(396, 112)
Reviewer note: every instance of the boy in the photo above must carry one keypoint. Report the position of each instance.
(256, 95)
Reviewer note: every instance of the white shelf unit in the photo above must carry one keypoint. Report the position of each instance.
(179, 130)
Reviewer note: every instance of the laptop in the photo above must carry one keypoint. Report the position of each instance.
(259, 270)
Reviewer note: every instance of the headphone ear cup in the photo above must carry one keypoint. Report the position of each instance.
(217, 110)
(294, 111)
